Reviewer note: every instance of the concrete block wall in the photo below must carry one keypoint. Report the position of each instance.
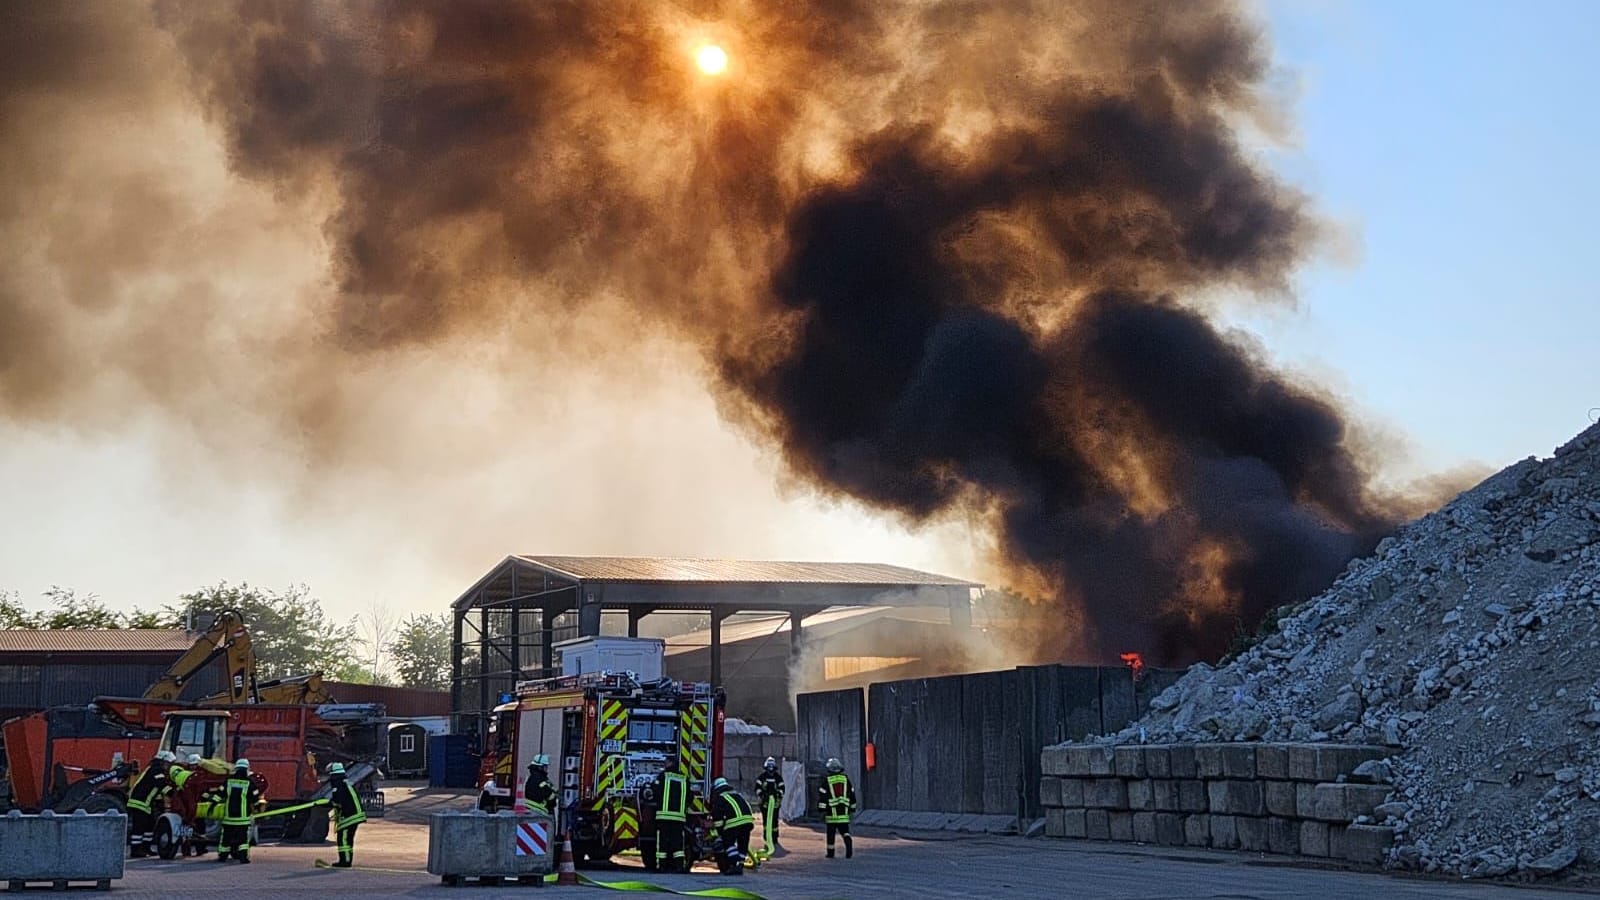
(743, 754)
(1259, 797)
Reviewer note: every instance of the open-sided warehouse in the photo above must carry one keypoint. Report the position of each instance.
(507, 624)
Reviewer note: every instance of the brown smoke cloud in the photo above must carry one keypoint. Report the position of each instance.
(951, 259)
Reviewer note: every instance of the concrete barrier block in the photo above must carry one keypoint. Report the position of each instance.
(1158, 762)
(1072, 793)
(1064, 823)
(741, 745)
(1144, 828)
(1129, 762)
(1192, 797)
(733, 770)
(475, 844)
(1283, 835)
(1305, 799)
(1124, 825)
(1180, 757)
(1334, 760)
(1101, 760)
(1197, 830)
(1303, 762)
(1056, 761)
(1313, 838)
(1272, 761)
(1208, 760)
(1344, 802)
(1139, 796)
(1105, 793)
(1169, 829)
(1336, 843)
(1164, 795)
(1279, 797)
(62, 848)
(1239, 761)
(1235, 798)
(1224, 832)
(1097, 824)
(1363, 799)
(1252, 834)
(1050, 792)
(1327, 804)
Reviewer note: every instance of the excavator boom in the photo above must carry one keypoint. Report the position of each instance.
(227, 635)
(302, 690)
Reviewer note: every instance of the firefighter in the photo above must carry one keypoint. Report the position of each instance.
(769, 794)
(836, 800)
(147, 791)
(671, 816)
(731, 814)
(539, 792)
(347, 808)
(239, 795)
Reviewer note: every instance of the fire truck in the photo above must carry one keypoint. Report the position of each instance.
(608, 735)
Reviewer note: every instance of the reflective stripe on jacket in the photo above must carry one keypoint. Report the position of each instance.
(837, 802)
(674, 798)
(236, 802)
(348, 803)
(733, 810)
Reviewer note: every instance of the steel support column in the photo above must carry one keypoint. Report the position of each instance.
(547, 650)
(716, 646)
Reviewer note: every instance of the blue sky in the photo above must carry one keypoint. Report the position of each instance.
(1458, 141)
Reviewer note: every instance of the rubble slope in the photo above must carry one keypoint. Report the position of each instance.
(1470, 641)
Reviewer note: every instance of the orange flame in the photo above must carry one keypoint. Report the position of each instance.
(1135, 662)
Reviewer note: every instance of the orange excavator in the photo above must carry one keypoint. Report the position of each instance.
(84, 757)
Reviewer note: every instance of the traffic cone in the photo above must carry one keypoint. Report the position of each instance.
(566, 869)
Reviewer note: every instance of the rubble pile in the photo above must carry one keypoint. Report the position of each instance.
(1469, 641)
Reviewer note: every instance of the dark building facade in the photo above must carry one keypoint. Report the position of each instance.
(40, 669)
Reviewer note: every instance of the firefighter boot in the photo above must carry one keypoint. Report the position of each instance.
(849, 847)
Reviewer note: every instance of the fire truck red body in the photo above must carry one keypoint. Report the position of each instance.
(608, 736)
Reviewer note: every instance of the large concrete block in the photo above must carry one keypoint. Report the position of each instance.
(1235, 798)
(1303, 762)
(1180, 757)
(1238, 761)
(1363, 799)
(1252, 834)
(471, 844)
(1105, 793)
(1076, 760)
(1055, 761)
(1139, 795)
(1224, 832)
(1158, 762)
(1071, 793)
(1368, 844)
(1073, 823)
(1055, 823)
(1192, 796)
(733, 767)
(1334, 760)
(1097, 825)
(1272, 761)
(1164, 795)
(1197, 830)
(1313, 838)
(1129, 762)
(1123, 825)
(1283, 835)
(1169, 829)
(1144, 827)
(50, 847)
(1279, 797)
(1101, 760)
(1344, 802)
(1208, 760)
(1336, 842)
(1050, 792)
(1305, 798)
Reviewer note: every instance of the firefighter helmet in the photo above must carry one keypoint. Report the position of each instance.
(166, 756)
(242, 763)
(192, 760)
(719, 784)
(335, 768)
(770, 763)
(541, 760)
(834, 765)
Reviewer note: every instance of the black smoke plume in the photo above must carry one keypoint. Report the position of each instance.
(952, 259)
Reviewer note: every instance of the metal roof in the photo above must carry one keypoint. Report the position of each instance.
(95, 640)
(737, 571)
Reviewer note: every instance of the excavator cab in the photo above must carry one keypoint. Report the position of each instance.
(201, 731)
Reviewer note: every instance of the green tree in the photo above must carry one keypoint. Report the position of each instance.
(12, 613)
(289, 631)
(421, 652)
(69, 610)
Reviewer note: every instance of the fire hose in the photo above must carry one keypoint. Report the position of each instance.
(726, 893)
(290, 809)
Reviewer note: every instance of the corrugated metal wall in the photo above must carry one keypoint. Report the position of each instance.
(971, 743)
(79, 680)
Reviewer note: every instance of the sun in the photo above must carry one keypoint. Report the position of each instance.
(711, 59)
